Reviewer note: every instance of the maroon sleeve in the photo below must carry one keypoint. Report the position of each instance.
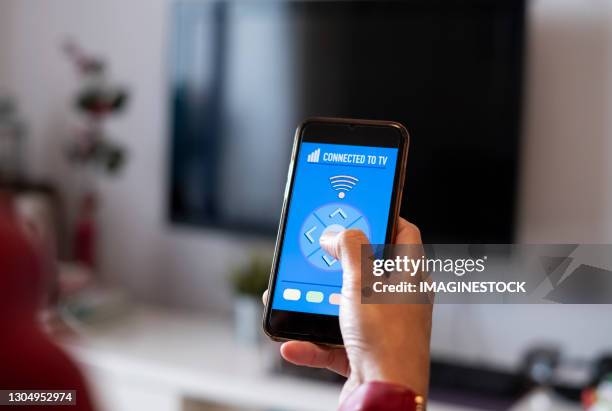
(382, 396)
(28, 359)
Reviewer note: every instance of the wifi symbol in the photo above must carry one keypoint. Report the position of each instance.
(343, 184)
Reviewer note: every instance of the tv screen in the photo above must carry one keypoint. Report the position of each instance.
(244, 74)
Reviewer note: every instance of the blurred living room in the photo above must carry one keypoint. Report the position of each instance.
(146, 144)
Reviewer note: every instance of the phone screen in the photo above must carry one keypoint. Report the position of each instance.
(335, 187)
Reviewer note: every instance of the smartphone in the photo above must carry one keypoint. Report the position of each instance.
(344, 173)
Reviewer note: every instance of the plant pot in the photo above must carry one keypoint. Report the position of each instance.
(247, 319)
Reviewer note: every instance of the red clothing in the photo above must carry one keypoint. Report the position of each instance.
(381, 396)
(28, 359)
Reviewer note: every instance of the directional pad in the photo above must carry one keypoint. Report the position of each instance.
(330, 217)
(308, 234)
(329, 260)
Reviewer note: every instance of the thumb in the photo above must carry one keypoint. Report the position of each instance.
(347, 246)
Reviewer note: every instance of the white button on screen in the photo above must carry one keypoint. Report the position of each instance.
(314, 296)
(334, 299)
(291, 294)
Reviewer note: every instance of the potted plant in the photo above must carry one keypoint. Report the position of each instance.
(91, 150)
(249, 281)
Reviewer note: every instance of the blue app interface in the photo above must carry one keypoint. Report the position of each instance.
(335, 187)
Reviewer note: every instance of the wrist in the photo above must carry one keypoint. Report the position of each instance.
(410, 373)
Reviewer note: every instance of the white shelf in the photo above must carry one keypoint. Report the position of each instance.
(159, 359)
(194, 357)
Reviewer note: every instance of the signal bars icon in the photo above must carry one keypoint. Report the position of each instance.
(343, 184)
(314, 156)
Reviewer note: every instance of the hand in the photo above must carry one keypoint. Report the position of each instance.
(381, 342)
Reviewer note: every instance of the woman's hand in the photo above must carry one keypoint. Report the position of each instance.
(382, 342)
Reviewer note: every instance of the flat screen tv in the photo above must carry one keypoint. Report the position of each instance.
(245, 73)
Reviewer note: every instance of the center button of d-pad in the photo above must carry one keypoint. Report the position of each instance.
(328, 218)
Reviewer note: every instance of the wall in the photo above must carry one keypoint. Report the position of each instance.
(5, 41)
(568, 127)
(565, 194)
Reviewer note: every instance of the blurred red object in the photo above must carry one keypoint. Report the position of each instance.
(85, 232)
(28, 359)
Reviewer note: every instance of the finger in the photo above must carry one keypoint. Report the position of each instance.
(311, 355)
(264, 297)
(407, 233)
(346, 246)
